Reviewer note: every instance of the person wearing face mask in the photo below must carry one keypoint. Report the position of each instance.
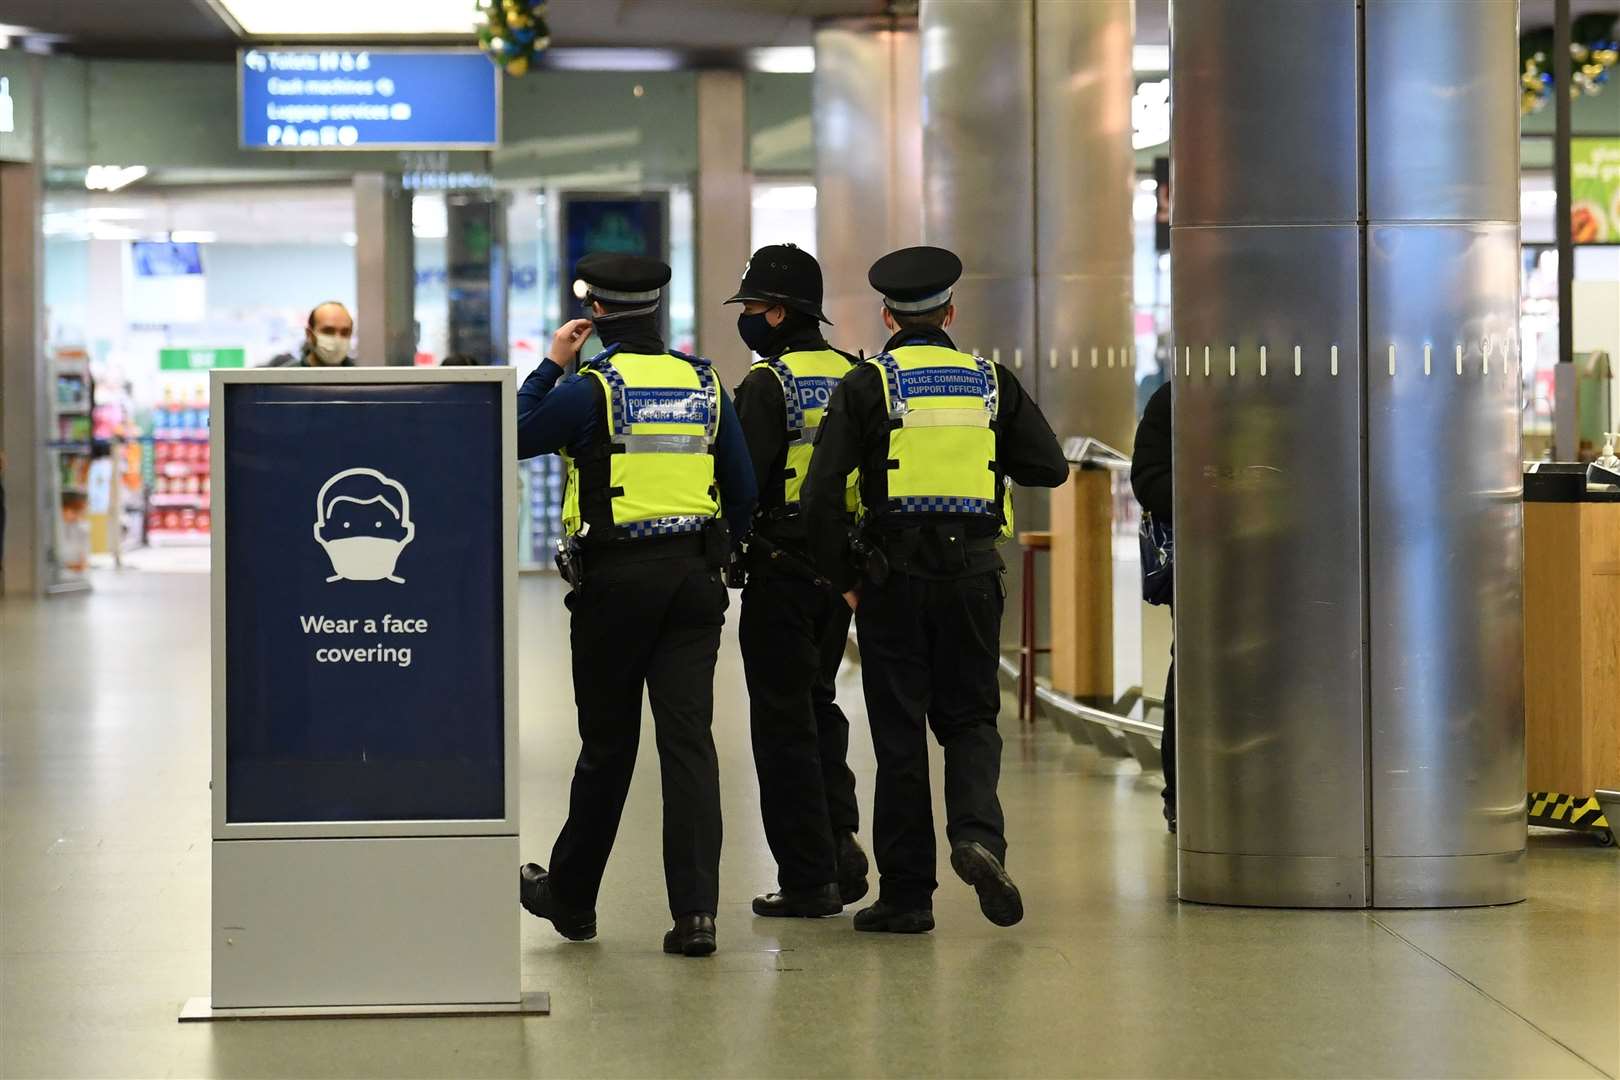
(327, 337)
(657, 467)
(794, 626)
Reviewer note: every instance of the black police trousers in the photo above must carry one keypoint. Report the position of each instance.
(930, 653)
(793, 636)
(653, 624)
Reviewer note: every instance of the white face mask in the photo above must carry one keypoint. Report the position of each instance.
(331, 349)
(365, 558)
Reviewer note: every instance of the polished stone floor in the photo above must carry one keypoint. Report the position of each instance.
(104, 866)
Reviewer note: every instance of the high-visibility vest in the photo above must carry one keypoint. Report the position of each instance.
(942, 447)
(654, 473)
(807, 380)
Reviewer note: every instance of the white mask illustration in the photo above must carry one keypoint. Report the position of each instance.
(363, 522)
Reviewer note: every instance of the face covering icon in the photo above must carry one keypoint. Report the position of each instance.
(363, 522)
(331, 349)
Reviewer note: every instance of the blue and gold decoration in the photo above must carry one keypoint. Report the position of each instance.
(1594, 50)
(513, 32)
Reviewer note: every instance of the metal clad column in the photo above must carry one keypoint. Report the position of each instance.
(1348, 521)
(868, 139)
(1443, 457)
(978, 164)
(1085, 172)
(1265, 254)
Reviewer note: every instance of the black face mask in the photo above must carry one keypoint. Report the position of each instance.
(758, 333)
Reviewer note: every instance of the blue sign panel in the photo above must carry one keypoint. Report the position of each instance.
(368, 99)
(363, 602)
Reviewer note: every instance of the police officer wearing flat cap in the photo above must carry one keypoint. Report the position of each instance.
(936, 435)
(657, 468)
(794, 626)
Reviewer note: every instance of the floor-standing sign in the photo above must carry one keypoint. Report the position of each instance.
(364, 692)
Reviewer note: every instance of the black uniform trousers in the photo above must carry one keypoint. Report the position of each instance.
(793, 636)
(930, 652)
(653, 624)
(1167, 749)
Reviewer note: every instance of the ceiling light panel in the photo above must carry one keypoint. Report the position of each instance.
(350, 18)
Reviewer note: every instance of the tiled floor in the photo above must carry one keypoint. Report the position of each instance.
(104, 918)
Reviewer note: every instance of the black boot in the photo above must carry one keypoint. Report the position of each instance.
(998, 896)
(692, 935)
(534, 891)
(852, 868)
(882, 918)
(814, 903)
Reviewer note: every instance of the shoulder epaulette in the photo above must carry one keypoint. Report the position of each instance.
(600, 357)
(695, 361)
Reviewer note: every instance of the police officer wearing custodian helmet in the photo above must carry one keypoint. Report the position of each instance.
(656, 466)
(794, 625)
(936, 434)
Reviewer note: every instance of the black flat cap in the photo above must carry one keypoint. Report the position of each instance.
(783, 274)
(915, 280)
(622, 279)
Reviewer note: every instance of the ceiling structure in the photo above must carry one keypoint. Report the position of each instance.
(196, 29)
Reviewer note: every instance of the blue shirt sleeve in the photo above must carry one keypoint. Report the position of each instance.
(734, 472)
(553, 412)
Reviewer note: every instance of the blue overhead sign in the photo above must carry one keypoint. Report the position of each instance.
(368, 99)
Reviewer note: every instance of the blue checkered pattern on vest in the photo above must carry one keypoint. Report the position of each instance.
(665, 526)
(941, 504)
(790, 395)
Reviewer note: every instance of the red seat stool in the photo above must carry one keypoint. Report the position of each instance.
(1028, 648)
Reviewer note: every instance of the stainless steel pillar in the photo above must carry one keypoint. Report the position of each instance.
(480, 275)
(1028, 176)
(868, 135)
(1349, 646)
(723, 199)
(385, 272)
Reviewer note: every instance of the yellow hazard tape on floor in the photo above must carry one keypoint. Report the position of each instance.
(1565, 811)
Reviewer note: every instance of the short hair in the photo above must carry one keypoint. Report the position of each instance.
(461, 359)
(923, 320)
(326, 303)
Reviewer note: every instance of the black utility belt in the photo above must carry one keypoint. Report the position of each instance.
(644, 549)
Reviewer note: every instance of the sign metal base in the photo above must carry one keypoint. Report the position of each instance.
(200, 1010)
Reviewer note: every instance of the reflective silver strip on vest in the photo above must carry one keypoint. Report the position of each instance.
(664, 444)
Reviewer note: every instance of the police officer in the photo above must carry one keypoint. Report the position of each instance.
(654, 453)
(794, 626)
(936, 434)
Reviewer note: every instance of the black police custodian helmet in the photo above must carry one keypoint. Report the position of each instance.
(621, 279)
(915, 280)
(783, 274)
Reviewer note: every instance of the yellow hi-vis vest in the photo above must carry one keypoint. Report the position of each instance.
(807, 380)
(655, 472)
(942, 448)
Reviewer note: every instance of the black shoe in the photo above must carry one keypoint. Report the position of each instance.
(692, 935)
(1170, 811)
(852, 868)
(815, 903)
(883, 918)
(534, 890)
(998, 896)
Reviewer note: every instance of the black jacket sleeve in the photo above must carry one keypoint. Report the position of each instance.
(763, 416)
(1150, 461)
(1027, 451)
(851, 414)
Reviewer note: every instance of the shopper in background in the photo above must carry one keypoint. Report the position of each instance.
(657, 465)
(461, 359)
(794, 626)
(327, 337)
(1151, 481)
(937, 436)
